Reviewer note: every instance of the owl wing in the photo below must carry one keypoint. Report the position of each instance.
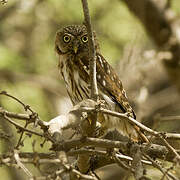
(111, 85)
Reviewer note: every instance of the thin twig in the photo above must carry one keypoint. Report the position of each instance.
(158, 166)
(47, 158)
(20, 138)
(155, 133)
(171, 149)
(122, 164)
(32, 118)
(22, 128)
(14, 115)
(174, 136)
(21, 165)
(26, 107)
(137, 123)
(130, 119)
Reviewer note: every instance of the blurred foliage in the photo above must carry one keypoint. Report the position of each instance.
(28, 64)
(27, 33)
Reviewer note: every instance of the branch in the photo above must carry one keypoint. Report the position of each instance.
(92, 51)
(125, 117)
(21, 165)
(14, 115)
(22, 128)
(154, 150)
(158, 166)
(40, 159)
(26, 107)
(77, 116)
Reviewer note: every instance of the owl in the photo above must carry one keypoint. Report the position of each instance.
(71, 45)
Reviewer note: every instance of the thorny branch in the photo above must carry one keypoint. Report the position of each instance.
(72, 120)
(158, 166)
(133, 121)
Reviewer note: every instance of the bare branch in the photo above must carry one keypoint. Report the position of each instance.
(92, 51)
(22, 128)
(14, 115)
(158, 166)
(171, 149)
(140, 125)
(26, 107)
(21, 165)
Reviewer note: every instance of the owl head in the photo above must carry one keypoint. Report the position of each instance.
(73, 39)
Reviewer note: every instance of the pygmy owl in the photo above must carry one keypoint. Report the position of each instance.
(71, 45)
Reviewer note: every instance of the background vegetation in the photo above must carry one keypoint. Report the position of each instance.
(28, 63)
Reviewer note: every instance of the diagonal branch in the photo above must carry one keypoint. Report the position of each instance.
(158, 166)
(22, 128)
(21, 165)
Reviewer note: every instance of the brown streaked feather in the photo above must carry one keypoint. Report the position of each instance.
(113, 87)
(74, 68)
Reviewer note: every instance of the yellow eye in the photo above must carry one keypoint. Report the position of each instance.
(84, 39)
(66, 38)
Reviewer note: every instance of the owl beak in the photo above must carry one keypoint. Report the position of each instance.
(75, 48)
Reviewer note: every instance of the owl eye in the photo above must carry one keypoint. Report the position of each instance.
(84, 39)
(66, 38)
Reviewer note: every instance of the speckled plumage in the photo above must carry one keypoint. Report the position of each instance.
(72, 47)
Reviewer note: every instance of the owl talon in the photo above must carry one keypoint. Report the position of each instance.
(100, 104)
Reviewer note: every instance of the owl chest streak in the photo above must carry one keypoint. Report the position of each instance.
(76, 81)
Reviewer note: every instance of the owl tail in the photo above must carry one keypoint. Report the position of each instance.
(133, 132)
(142, 136)
(122, 126)
(126, 129)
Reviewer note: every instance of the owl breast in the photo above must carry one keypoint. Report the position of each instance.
(75, 81)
